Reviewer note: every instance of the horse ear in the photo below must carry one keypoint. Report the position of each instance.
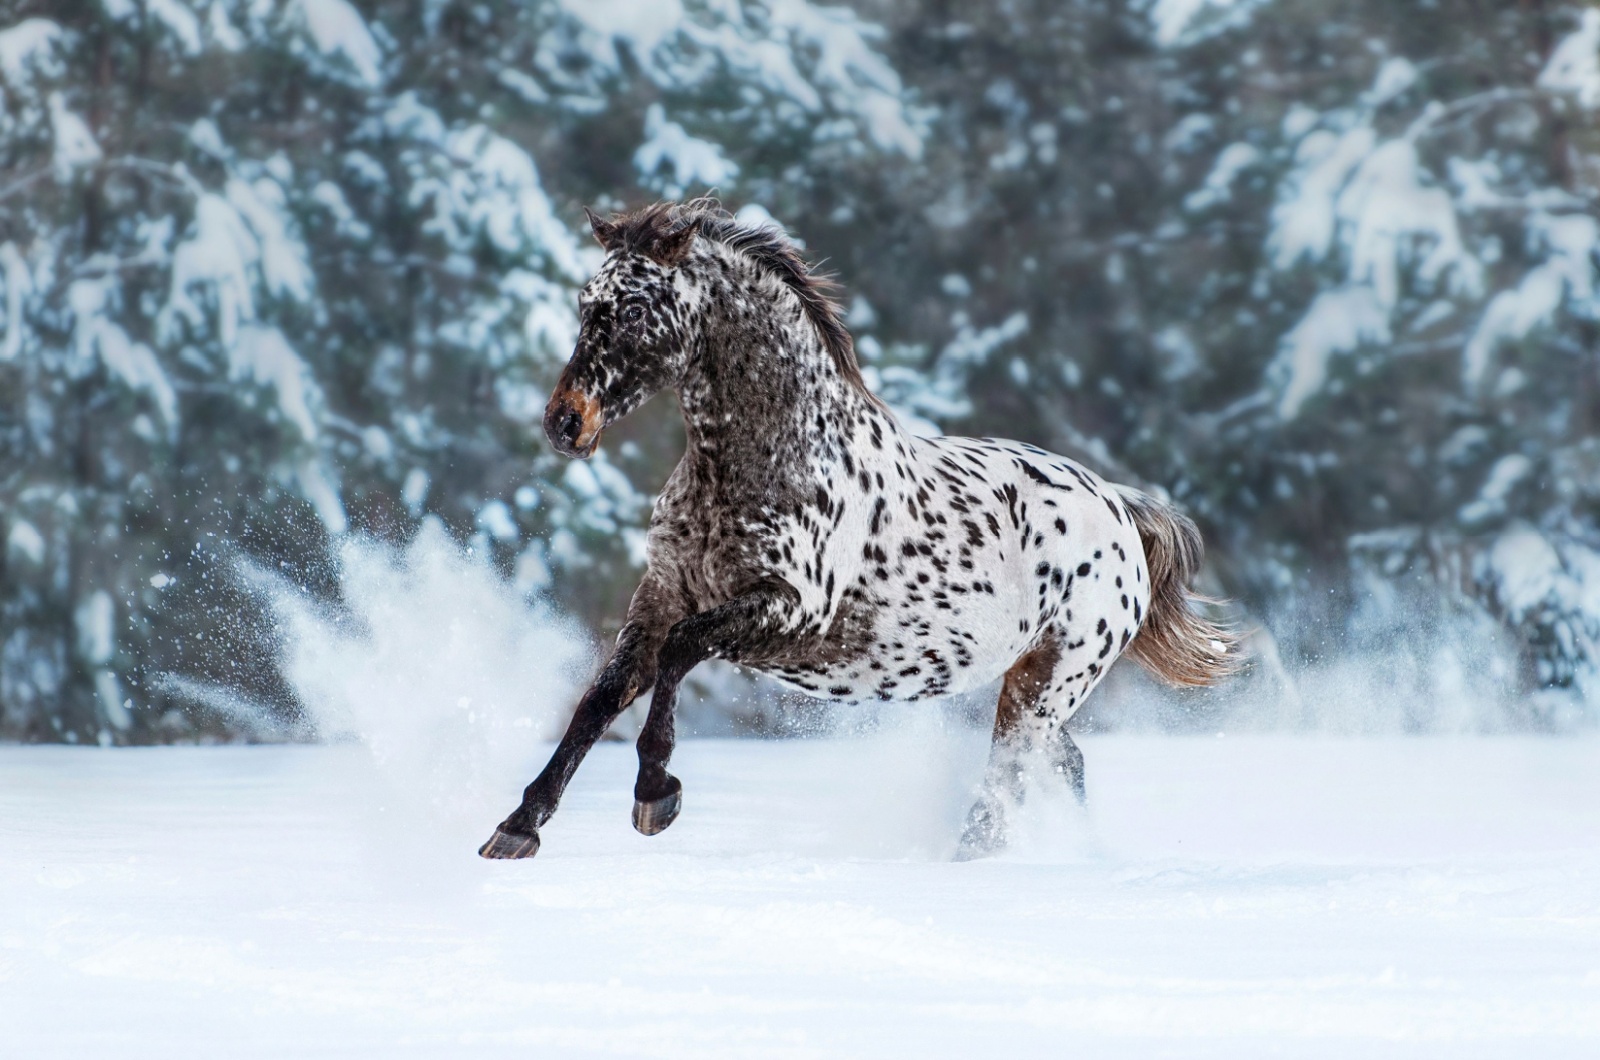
(671, 249)
(605, 233)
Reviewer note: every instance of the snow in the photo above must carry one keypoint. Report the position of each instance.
(19, 285)
(972, 347)
(414, 490)
(1394, 228)
(1377, 197)
(27, 47)
(95, 335)
(1504, 476)
(1232, 897)
(136, 365)
(1574, 65)
(1338, 321)
(846, 67)
(442, 667)
(495, 519)
(336, 28)
(523, 85)
(920, 398)
(75, 145)
(1550, 581)
(1172, 19)
(222, 30)
(1395, 76)
(607, 499)
(1189, 132)
(479, 181)
(754, 215)
(237, 237)
(814, 56)
(1218, 186)
(179, 20)
(690, 162)
(93, 620)
(113, 708)
(1390, 211)
(261, 355)
(205, 135)
(1181, 357)
(644, 24)
(1303, 219)
(376, 441)
(1564, 276)
(1299, 119)
(1528, 573)
(319, 488)
(330, 197)
(1238, 896)
(282, 258)
(25, 541)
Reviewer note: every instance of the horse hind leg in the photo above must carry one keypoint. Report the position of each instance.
(1030, 717)
(1068, 761)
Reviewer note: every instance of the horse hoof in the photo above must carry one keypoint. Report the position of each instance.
(985, 834)
(505, 845)
(976, 851)
(655, 815)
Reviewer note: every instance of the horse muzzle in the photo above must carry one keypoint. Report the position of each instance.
(573, 421)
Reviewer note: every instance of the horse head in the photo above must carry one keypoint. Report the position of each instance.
(632, 339)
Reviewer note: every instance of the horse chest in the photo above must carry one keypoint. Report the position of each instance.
(707, 548)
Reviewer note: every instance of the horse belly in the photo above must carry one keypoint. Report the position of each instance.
(957, 632)
(965, 564)
(903, 668)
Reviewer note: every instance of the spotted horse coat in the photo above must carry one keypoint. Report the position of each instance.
(807, 535)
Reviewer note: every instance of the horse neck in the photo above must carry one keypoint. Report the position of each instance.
(761, 391)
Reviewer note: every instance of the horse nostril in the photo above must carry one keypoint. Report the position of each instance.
(571, 427)
(572, 421)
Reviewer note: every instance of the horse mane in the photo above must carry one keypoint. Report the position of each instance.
(645, 230)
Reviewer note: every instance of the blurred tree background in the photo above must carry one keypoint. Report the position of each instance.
(278, 272)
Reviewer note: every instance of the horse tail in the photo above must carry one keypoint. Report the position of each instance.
(1175, 643)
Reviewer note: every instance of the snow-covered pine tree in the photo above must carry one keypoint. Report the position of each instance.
(1326, 274)
(1409, 338)
(273, 272)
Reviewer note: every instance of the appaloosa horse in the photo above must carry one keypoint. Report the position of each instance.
(807, 535)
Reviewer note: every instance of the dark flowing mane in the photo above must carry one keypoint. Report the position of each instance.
(645, 230)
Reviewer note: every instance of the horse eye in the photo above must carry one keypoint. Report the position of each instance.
(632, 313)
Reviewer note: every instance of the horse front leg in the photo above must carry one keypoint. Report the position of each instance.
(751, 624)
(628, 674)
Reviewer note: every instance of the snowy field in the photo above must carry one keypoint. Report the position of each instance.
(1265, 896)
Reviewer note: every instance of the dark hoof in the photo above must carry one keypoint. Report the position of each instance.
(653, 816)
(505, 845)
(977, 847)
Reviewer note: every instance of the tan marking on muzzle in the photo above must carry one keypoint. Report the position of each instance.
(566, 400)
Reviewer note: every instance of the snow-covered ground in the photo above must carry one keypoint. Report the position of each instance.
(1257, 896)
